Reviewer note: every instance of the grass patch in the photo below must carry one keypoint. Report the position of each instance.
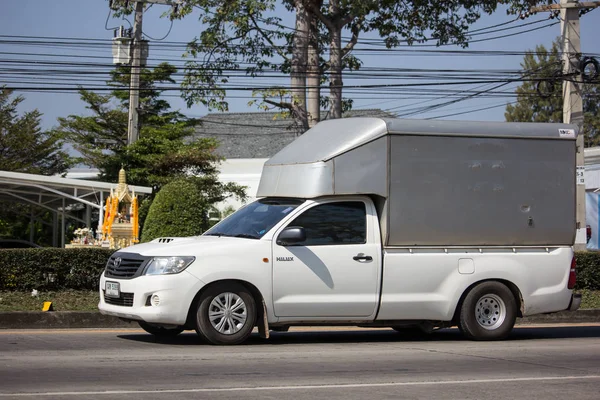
(69, 300)
(84, 300)
(590, 298)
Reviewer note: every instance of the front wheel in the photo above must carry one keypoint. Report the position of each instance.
(488, 312)
(160, 331)
(226, 314)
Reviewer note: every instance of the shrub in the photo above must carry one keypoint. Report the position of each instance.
(588, 270)
(179, 209)
(80, 269)
(52, 268)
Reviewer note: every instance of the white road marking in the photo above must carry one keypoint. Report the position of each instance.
(304, 387)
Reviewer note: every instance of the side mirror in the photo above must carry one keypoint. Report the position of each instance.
(291, 235)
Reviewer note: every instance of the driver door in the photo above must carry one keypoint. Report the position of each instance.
(335, 271)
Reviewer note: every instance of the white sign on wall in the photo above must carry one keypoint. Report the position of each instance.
(580, 175)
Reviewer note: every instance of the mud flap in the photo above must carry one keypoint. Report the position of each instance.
(263, 326)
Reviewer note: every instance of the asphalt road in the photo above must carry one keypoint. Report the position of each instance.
(535, 363)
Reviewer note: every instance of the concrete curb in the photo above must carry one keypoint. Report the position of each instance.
(59, 320)
(563, 317)
(84, 319)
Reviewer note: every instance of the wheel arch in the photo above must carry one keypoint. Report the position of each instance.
(510, 285)
(256, 294)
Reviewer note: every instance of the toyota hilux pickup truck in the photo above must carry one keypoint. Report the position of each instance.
(371, 222)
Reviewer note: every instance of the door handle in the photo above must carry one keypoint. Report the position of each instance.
(361, 257)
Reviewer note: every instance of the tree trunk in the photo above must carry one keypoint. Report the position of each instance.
(299, 62)
(335, 61)
(313, 76)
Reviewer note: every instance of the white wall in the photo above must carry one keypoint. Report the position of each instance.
(592, 168)
(243, 171)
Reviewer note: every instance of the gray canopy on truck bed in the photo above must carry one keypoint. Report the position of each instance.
(440, 183)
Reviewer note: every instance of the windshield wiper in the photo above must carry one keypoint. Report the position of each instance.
(246, 235)
(214, 234)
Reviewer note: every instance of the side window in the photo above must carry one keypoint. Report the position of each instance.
(334, 224)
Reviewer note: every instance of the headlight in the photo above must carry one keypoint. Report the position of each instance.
(168, 265)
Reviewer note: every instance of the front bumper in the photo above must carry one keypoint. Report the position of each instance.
(575, 302)
(175, 293)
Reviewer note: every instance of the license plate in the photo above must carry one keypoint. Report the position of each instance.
(112, 289)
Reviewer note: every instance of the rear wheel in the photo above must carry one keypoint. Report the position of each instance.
(160, 331)
(488, 312)
(226, 314)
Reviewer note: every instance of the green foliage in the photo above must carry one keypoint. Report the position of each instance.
(52, 269)
(546, 65)
(244, 35)
(588, 270)
(236, 35)
(162, 152)
(24, 146)
(15, 223)
(182, 207)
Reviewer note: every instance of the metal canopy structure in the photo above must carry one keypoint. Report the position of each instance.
(61, 196)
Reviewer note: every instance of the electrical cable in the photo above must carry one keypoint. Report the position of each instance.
(164, 37)
(366, 72)
(106, 23)
(183, 44)
(470, 96)
(472, 111)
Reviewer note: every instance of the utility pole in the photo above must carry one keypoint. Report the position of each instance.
(134, 86)
(572, 96)
(136, 61)
(313, 76)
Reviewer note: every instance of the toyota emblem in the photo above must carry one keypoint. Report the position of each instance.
(117, 262)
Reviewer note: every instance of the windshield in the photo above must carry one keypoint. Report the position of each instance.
(255, 219)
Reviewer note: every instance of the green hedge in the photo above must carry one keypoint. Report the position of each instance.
(588, 270)
(52, 268)
(179, 209)
(80, 269)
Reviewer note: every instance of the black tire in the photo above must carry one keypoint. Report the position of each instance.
(223, 332)
(160, 331)
(488, 312)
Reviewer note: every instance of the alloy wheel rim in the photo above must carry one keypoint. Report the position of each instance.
(490, 312)
(227, 313)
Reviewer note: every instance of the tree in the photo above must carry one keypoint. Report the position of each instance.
(24, 146)
(542, 73)
(244, 35)
(163, 151)
(182, 207)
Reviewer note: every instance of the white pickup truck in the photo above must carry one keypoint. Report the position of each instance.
(373, 222)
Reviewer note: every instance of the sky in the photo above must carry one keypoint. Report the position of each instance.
(87, 18)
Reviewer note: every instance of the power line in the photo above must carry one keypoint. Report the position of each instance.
(472, 111)
(164, 37)
(108, 42)
(106, 23)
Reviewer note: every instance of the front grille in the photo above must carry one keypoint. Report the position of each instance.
(125, 300)
(124, 265)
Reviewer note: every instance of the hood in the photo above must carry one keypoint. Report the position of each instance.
(188, 246)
